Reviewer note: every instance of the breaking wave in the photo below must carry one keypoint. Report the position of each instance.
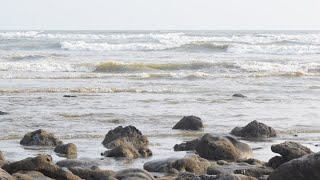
(193, 69)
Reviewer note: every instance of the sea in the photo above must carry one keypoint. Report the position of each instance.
(151, 79)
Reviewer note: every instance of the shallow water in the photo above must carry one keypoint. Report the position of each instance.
(151, 80)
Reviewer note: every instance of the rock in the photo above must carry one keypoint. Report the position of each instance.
(240, 168)
(193, 164)
(41, 163)
(187, 146)
(93, 173)
(235, 177)
(134, 174)
(3, 160)
(68, 149)
(189, 123)
(239, 95)
(188, 176)
(254, 129)
(145, 152)
(69, 96)
(5, 176)
(223, 148)
(275, 162)
(290, 150)
(41, 138)
(252, 161)
(126, 151)
(3, 113)
(30, 175)
(303, 168)
(128, 134)
(76, 163)
(159, 165)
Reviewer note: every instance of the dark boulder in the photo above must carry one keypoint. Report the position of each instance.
(3, 113)
(303, 168)
(69, 96)
(134, 174)
(43, 164)
(189, 123)
(68, 149)
(128, 134)
(254, 129)
(223, 148)
(275, 162)
(290, 150)
(187, 146)
(41, 138)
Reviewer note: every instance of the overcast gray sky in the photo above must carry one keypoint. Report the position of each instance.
(159, 14)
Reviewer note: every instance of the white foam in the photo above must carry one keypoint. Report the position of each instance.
(274, 49)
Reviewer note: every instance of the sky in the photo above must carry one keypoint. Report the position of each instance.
(159, 14)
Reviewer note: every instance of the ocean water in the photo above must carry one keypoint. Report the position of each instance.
(151, 79)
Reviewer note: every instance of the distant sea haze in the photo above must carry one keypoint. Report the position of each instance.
(151, 79)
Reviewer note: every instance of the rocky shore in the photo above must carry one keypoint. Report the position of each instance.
(209, 157)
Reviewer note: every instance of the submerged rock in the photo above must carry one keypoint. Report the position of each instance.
(189, 123)
(290, 150)
(41, 138)
(3, 113)
(41, 163)
(128, 134)
(223, 148)
(254, 129)
(69, 96)
(133, 174)
(93, 173)
(187, 146)
(76, 163)
(68, 149)
(239, 95)
(303, 168)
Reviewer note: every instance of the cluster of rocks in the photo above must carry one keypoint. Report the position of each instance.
(211, 157)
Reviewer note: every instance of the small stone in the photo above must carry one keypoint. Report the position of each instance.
(69, 96)
(239, 95)
(68, 149)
